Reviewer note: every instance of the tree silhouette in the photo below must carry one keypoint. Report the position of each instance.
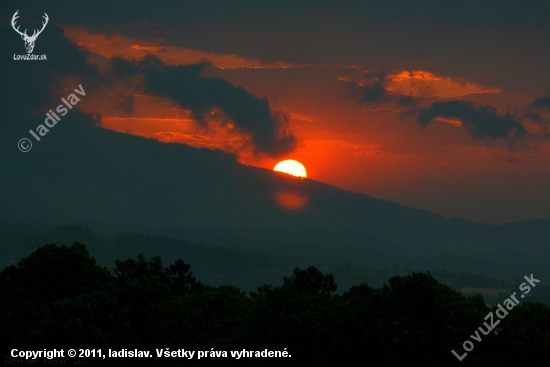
(58, 297)
(310, 281)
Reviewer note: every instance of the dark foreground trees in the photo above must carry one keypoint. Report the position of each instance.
(60, 298)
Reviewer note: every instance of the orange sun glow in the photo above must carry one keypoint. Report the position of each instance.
(291, 167)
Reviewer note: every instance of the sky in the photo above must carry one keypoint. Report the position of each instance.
(442, 106)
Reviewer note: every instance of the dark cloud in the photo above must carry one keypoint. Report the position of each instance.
(541, 102)
(482, 122)
(202, 95)
(34, 88)
(532, 110)
(372, 90)
(445, 37)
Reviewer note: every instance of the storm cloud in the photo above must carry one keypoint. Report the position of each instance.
(186, 86)
(482, 122)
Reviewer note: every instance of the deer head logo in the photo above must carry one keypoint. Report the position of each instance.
(29, 40)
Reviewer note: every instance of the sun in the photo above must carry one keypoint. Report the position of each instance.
(291, 167)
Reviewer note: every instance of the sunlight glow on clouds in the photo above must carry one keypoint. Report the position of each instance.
(118, 45)
(419, 83)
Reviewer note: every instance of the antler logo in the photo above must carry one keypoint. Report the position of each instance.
(29, 40)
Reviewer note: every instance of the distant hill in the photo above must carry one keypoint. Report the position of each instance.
(82, 174)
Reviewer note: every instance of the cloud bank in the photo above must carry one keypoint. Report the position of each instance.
(373, 89)
(184, 85)
(482, 122)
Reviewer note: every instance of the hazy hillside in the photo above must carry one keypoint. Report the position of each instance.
(249, 258)
(137, 181)
(116, 183)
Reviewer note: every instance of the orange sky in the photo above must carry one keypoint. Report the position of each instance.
(369, 149)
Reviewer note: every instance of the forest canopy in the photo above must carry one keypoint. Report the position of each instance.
(59, 297)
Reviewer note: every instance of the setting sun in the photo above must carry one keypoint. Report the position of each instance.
(291, 167)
